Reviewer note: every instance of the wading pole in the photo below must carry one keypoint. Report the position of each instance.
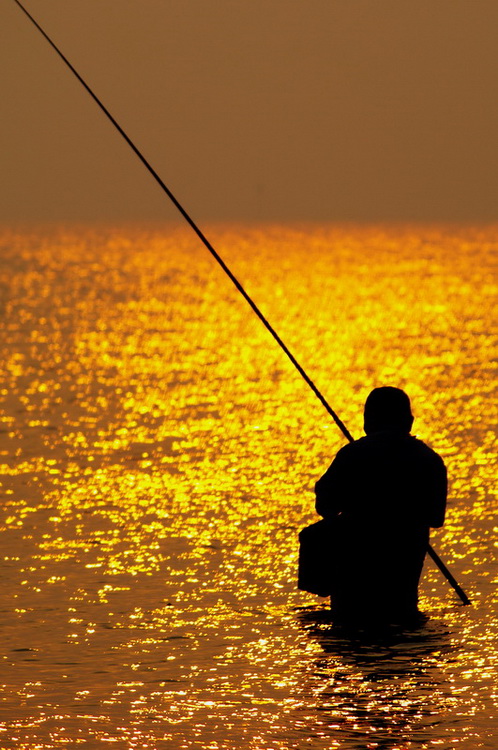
(442, 567)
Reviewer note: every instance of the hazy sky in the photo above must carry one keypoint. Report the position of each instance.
(252, 109)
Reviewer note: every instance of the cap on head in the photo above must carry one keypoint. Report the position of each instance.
(387, 408)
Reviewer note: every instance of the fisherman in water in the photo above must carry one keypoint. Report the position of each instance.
(382, 494)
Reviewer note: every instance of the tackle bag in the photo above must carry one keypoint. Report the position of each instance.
(316, 545)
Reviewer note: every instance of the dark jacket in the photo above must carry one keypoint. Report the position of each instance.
(384, 491)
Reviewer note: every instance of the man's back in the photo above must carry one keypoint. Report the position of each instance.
(388, 477)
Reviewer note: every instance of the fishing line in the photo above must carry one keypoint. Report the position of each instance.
(228, 272)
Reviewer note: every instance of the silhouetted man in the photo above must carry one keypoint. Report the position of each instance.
(382, 494)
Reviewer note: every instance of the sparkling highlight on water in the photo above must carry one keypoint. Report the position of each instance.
(158, 455)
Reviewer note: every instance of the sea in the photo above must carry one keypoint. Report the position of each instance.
(158, 457)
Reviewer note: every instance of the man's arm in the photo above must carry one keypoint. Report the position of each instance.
(439, 491)
(330, 489)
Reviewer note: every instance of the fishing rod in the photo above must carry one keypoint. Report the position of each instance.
(435, 557)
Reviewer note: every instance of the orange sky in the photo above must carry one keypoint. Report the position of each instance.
(253, 109)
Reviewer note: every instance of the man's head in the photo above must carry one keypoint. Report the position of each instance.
(387, 408)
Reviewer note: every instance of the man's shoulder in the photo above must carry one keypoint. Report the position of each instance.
(389, 442)
(425, 450)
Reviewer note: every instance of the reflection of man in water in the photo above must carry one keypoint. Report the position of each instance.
(383, 493)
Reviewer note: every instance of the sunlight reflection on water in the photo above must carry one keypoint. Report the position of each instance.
(158, 458)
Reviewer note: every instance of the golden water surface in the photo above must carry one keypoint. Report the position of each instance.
(158, 456)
